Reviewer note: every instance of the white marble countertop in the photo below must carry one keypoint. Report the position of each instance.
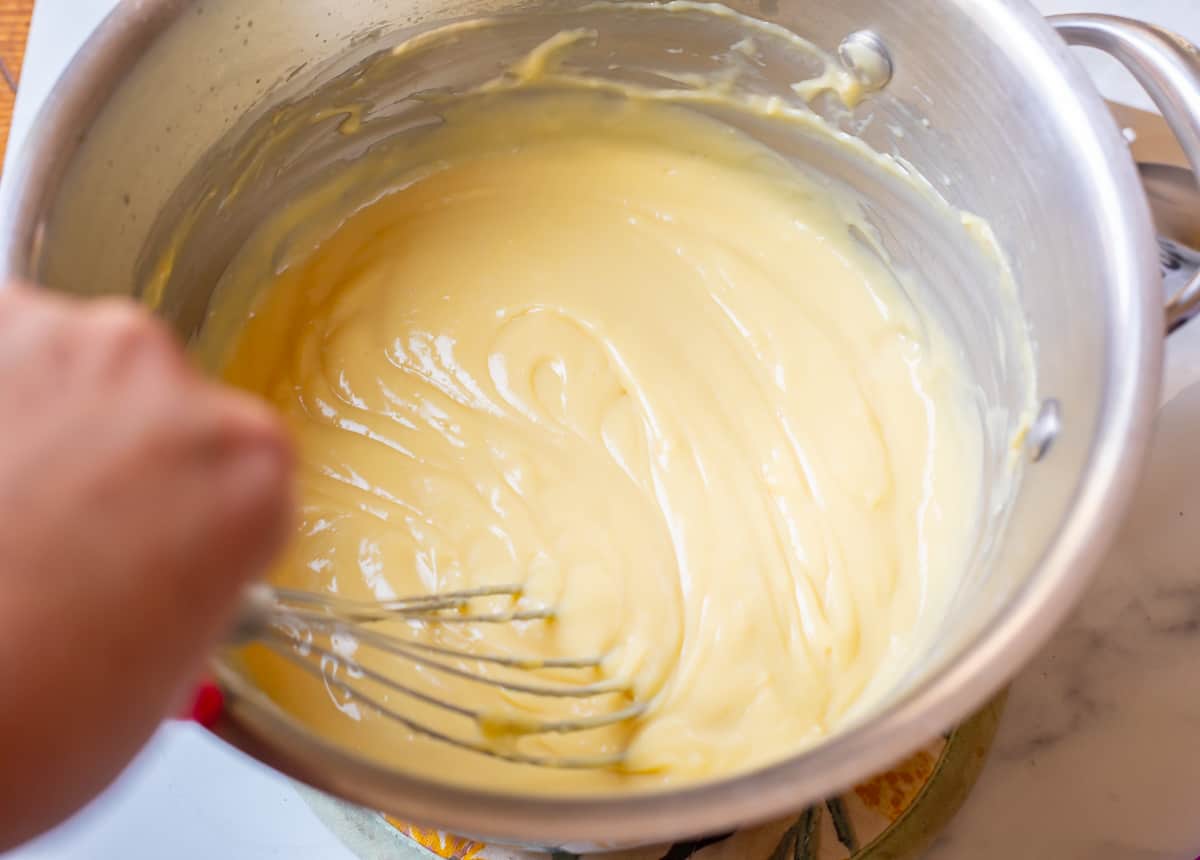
(1097, 756)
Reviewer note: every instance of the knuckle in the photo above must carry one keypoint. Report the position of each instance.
(264, 444)
(247, 431)
(127, 324)
(25, 309)
(259, 471)
(128, 334)
(272, 466)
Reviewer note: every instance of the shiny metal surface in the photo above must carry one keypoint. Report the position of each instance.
(302, 627)
(1044, 430)
(1168, 68)
(984, 100)
(867, 57)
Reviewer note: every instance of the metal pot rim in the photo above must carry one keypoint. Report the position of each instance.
(1134, 335)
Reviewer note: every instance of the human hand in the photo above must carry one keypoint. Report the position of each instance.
(136, 500)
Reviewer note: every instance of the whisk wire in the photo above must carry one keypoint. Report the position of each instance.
(283, 620)
(420, 728)
(427, 607)
(403, 648)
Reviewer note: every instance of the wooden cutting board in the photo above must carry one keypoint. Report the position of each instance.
(14, 28)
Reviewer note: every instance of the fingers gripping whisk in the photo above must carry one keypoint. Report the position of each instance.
(291, 623)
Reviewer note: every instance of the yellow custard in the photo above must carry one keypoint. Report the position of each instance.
(626, 358)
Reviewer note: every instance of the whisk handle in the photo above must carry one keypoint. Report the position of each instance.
(258, 603)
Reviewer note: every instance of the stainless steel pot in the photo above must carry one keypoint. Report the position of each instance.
(984, 99)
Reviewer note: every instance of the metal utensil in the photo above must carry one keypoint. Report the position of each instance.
(293, 624)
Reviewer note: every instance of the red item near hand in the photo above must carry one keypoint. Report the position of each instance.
(206, 705)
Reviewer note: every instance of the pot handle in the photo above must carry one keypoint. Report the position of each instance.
(1168, 68)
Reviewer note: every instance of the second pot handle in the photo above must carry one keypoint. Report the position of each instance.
(1168, 68)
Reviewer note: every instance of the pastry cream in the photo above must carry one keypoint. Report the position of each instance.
(626, 358)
